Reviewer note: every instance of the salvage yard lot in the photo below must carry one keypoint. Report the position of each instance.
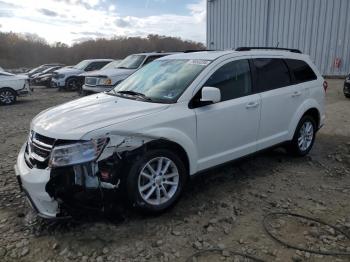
(222, 209)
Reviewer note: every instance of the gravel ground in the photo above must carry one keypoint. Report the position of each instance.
(221, 209)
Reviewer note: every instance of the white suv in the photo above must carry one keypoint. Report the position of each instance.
(178, 115)
(106, 79)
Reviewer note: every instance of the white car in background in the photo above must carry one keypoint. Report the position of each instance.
(12, 86)
(107, 78)
(69, 77)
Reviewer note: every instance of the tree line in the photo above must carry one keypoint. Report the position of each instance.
(17, 50)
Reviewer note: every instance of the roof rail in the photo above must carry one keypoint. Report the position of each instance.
(248, 48)
(193, 51)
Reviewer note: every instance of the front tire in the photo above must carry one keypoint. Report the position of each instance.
(155, 181)
(304, 136)
(72, 84)
(7, 96)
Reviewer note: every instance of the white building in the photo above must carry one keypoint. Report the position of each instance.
(320, 28)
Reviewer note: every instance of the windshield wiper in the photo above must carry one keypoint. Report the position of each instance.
(133, 93)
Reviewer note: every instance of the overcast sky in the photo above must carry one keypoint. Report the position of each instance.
(70, 21)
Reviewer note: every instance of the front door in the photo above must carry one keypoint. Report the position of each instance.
(228, 129)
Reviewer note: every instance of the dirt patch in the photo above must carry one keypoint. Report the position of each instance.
(222, 209)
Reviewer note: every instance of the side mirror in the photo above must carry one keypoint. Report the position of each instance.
(211, 94)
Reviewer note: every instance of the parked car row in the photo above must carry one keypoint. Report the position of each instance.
(108, 77)
(70, 78)
(88, 76)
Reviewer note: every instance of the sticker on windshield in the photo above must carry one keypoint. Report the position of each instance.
(198, 62)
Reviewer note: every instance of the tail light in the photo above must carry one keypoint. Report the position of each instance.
(325, 86)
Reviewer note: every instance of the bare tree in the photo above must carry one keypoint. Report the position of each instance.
(29, 50)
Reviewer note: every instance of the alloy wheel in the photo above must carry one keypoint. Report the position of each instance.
(73, 84)
(306, 135)
(7, 97)
(158, 181)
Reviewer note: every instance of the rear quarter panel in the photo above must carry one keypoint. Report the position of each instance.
(314, 98)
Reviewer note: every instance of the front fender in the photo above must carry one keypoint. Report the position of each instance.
(180, 138)
(128, 141)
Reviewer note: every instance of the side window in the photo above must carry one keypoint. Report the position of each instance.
(271, 73)
(150, 59)
(233, 80)
(300, 71)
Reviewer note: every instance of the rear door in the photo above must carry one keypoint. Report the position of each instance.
(303, 79)
(228, 129)
(278, 100)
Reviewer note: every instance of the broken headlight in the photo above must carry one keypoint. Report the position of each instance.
(77, 153)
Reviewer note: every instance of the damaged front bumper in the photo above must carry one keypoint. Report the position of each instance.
(68, 190)
(33, 182)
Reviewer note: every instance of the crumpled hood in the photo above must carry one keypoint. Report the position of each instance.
(74, 119)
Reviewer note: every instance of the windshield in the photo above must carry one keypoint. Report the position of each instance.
(111, 65)
(162, 80)
(82, 64)
(35, 70)
(49, 69)
(132, 62)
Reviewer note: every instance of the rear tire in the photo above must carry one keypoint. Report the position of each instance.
(7, 96)
(155, 181)
(304, 136)
(345, 94)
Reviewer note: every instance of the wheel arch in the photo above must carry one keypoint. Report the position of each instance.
(309, 107)
(172, 146)
(71, 77)
(7, 87)
(315, 114)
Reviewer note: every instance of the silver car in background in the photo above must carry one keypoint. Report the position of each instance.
(107, 78)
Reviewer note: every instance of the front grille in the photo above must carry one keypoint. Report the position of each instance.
(91, 81)
(38, 150)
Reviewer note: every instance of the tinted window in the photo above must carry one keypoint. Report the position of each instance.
(132, 62)
(96, 65)
(301, 71)
(233, 80)
(271, 73)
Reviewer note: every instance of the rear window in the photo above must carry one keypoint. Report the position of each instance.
(300, 71)
(271, 73)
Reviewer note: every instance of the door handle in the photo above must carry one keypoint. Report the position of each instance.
(252, 104)
(296, 93)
